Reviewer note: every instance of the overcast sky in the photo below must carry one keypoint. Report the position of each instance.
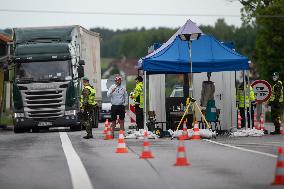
(107, 13)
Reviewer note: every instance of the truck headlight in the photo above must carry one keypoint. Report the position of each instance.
(71, 112)
(16, 115)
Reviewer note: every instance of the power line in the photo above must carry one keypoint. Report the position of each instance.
(131, 13)
(112, 13)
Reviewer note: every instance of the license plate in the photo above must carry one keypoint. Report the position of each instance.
(107, 116)
(44, 123)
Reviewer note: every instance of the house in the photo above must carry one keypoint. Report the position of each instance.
(127, 68)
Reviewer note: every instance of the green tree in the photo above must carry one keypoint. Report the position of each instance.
(268, 16)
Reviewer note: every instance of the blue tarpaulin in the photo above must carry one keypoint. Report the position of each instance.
(208, 55)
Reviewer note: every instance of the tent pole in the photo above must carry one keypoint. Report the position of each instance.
(145, 97)
(191, 75)
(249, 109)
(244, 94)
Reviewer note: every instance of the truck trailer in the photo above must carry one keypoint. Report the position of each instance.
(49, 63)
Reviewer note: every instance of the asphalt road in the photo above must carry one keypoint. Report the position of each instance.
(62, 159)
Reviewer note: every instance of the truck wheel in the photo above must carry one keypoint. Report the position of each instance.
(19, 130)
(35, 130)
(95, 118)
(75, 127)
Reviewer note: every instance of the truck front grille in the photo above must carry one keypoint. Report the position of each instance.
(43, 104)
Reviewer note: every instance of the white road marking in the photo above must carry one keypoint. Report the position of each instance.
(79, 176)
(242, 149)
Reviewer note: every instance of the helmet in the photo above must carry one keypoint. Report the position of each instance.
(139, 78)
(117, 78)
(85, 78)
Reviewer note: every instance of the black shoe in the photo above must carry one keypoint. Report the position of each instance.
(275, 133)
(265, 132)
(88, 136)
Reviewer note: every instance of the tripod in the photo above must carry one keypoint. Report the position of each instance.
(190, 101)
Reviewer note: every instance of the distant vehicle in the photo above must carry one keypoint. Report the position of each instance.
(48, 65)
(106, 104)
(178, 91)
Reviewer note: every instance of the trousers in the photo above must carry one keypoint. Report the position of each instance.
(139, 117)
(250, 117)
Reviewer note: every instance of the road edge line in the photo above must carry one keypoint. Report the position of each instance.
(79, 176)
(240, 148)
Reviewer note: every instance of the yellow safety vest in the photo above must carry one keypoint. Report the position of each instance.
(91, 96)
(138, 92)
(240, 97)
(273, 92)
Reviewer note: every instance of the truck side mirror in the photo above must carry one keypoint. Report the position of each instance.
(81, 62)
(80, 71)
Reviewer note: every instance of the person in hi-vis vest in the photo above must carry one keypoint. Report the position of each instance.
(243, 103)
(137, 96)
(87, 104)
(275, 102)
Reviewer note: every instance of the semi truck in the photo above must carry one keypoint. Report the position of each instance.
(49, 63)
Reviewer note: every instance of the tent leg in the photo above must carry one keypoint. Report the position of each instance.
(145, 97)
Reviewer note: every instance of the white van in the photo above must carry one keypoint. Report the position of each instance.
(106, 105)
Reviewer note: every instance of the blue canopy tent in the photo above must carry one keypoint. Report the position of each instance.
(207, 55)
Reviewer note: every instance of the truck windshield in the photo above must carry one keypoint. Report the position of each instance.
(43, 71)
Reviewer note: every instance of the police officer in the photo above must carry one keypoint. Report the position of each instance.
(137, 96)
(249, 98)
(275, 102)
(88, 104)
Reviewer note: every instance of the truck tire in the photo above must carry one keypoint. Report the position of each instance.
(17, 129)
(95, 118)
(35, 130)
(76, 127)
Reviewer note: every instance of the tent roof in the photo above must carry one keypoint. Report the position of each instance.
(208, 55)
(188, 27)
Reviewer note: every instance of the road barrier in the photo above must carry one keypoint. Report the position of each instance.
(261, 122)
(281, 130)
(131, 113)
(255, 122)
(239, 120)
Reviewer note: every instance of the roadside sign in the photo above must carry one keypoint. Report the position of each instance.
(262, 90)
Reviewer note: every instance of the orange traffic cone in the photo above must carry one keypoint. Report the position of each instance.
(181, 155)
(146, 153)
(196, 135)
(121, 147)
(256, 126)
(108, 135)
(281, 130)
(279, 173)
(184, 132)
(106, 126)
(239, 120)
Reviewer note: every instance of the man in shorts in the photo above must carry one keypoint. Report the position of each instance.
(119, 98)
